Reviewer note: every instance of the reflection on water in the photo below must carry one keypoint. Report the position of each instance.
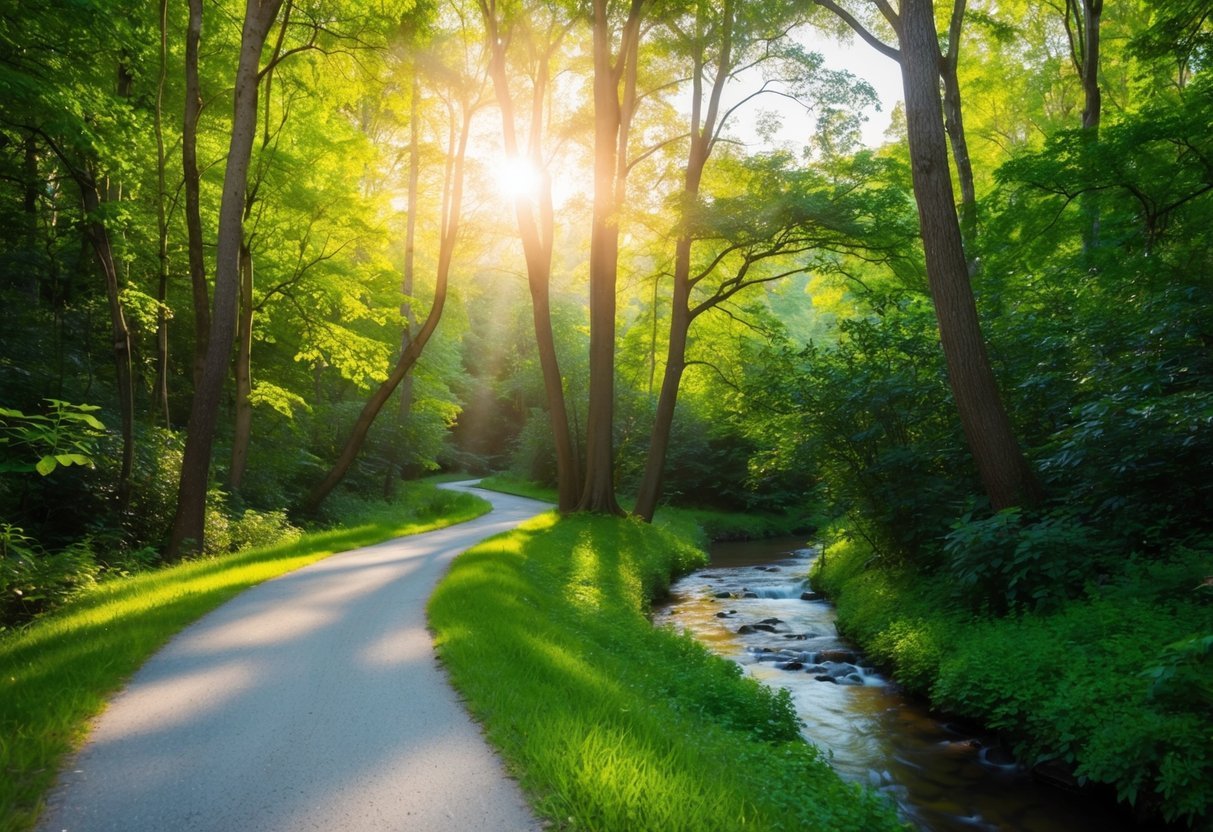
(748, 606)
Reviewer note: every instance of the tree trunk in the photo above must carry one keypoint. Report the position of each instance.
(243, 429)
(1004, 471)
(120, 333)
(1092, 11)
(702, 131)
(536, 235)
(188, 524)
(29, 204)
(611, 119)
(193, 188)
(407, 279)
(663, 420)
(954, 125)
(160, 393)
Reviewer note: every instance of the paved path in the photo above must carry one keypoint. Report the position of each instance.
(310, 702)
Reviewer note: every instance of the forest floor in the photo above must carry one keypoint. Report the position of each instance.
(310, 701)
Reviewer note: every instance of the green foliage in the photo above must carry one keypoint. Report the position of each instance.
(607, 722)
(1009, 562)
(869, 415)
(1113, 685)
(67, 435)
(33, 580)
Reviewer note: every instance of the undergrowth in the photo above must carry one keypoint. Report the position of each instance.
(58, 671)
(608, 723)
(1113, 684)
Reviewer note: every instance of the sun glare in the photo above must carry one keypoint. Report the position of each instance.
(517, 178)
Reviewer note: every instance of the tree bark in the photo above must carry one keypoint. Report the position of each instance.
(702, 130)
(612, 116)
(954, 125)
(99, 240)
(1004, 471)
(160, 392)
(188, 524)
(536, 233)
(243, 423)
(193, 188)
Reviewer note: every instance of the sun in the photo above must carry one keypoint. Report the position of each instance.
(517, 178)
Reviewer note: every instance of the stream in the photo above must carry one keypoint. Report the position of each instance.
(747, 606)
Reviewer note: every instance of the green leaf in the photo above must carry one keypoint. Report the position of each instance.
(45, 465)
(9, 413)
(73, 459)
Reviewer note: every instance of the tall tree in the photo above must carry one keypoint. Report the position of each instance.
(200, 292)
(614, 89)
(187, 532)
(1004, 470)
(1007, 477)
(160, 391)
(535, 213)
(463, 100)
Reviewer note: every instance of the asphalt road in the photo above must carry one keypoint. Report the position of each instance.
(310, 702)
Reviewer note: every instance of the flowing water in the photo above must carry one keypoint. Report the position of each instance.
(941, 775)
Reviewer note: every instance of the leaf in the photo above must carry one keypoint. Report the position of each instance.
(9, 413)
(45, 465)
(73, 459)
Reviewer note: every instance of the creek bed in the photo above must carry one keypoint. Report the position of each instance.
(753, 605)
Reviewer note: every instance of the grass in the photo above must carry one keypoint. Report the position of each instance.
(702, 525)
(1114, 686)
(609, 723)
(507, 484)
(58, 672)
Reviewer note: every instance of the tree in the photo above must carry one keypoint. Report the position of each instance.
(463, 98)
(188, 524)
(535, 214)
(1004, 470)
(614, 87)
(748, 38)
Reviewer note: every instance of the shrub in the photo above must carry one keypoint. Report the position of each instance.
(33, 580)
(261, 528)
(1010, 562)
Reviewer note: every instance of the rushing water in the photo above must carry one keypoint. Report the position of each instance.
(942, 776)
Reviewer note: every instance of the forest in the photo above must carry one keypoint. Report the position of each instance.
(264, 261)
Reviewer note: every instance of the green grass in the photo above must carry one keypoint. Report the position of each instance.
(58, 671)
(609, 723)
(735, 525)
(507, 484)
(1116, 685)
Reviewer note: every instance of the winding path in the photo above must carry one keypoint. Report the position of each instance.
(310, 702)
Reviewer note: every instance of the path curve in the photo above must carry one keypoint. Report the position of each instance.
(312, 701)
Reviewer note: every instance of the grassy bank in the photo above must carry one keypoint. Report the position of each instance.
(1116, 686)
(58, 671)
(702, 525)
(507, 484)
(611, 724)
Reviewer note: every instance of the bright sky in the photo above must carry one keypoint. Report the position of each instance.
(855, 56)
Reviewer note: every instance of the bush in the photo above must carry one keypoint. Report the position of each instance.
(33, 580)
(1011, 562)
(261, 528)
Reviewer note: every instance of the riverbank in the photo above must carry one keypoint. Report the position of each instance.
(1112, 688)
(608, 722)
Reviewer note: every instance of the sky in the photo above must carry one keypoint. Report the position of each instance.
(853, 55)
